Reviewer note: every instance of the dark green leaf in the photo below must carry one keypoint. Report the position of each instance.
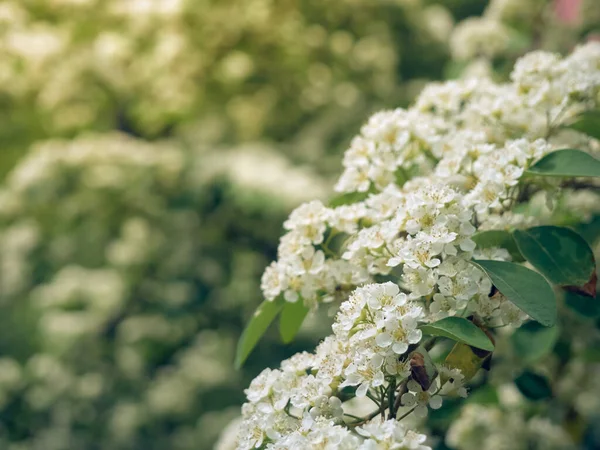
(588, 123)
(291, 319)
(498, 238)
(560, 254)
(591, 355)
(534, 386)
(533, 341)
(590, 231)
(484, 395)
(567, 163)
(527, 289)
(260, 321)
(583, 305)
(460, 330)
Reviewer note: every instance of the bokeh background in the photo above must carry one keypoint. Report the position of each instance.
(150, 151)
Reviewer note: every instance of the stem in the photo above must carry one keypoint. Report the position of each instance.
(382, 407)
(392, 399)
(373, 399)
(325, 245)
(429, 343)
(353, 416)
(406, 413)
(365, 419)
(328, 252)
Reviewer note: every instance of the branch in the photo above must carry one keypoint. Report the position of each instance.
(365, 419)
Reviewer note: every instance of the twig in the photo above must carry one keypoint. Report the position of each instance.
(406, 413)
(373, 399)
(382, 407)
(403, 389)
(365, 419)
(353, 416)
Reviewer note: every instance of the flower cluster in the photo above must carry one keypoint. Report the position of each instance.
(378, 322)
(149, 66)
(292, 408)
(508, 28)
(110, 282)
(417, 185)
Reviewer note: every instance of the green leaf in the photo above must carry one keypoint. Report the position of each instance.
(348, 199)
(466, 358)
(260, 321)
(527, 289)
(560, 254)
(590, 231)
(583, 305)
(498, 238)
(566, 163)
(591, 355)
(533, 341)
(484, 395)
(460, 330)
(588, 123)
(534, 386)
(291, 319)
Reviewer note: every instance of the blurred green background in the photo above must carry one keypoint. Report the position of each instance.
(151, 150)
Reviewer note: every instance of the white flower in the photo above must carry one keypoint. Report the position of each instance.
(273, 281)
(379, 315)
(442, 306)
(346, 217)
(299, 363)
(309, 220)
(328, 407)
(420, 399)
(332, 357)
(436, 174)
(390, 434)
(365, 373)
(420, 281)
(452, 381)
(262, 385)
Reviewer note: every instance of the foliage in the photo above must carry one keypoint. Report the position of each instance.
(429, 253)
(138, 207)
(115, 278)
(231, 71)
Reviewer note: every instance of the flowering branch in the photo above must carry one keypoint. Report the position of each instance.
(441, 220)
